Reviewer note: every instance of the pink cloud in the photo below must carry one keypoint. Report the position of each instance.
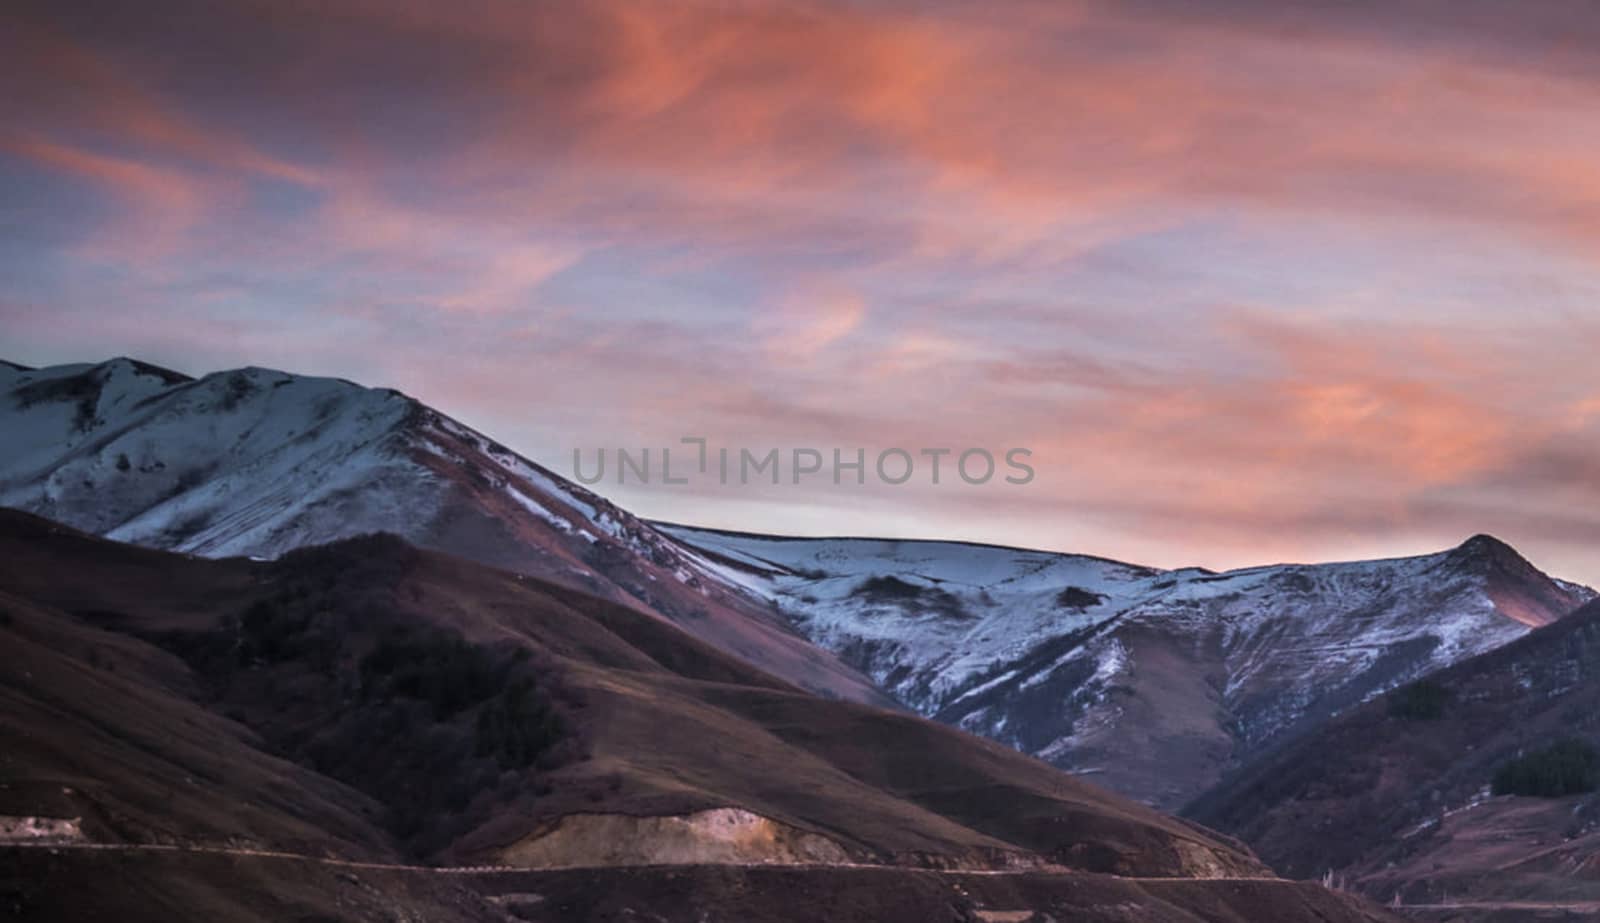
(838, 223)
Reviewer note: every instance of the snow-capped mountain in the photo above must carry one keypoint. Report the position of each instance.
(257, 462)
(1160, 681)
(1404, 797)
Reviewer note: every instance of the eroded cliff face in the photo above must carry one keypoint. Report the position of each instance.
(731, 836)
(734, 836)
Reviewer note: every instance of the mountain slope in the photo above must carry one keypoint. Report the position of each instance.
(1160, 681)
(351, 701)
(654, 722)
(258, 462)
(1163, 681)
(1397, 798)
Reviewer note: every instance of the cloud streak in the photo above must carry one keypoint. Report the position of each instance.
(1288, 282)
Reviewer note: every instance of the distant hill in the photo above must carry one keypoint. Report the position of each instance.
(1397, 796)
(374, 702)
(1162, 683)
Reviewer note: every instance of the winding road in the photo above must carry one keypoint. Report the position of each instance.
(70, 845)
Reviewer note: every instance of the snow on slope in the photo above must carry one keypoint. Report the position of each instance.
(248, 462)
(257, 462)
(1159, 679)
(924, 618)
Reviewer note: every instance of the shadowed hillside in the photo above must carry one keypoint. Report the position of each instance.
(1475, 784)
(372, 702)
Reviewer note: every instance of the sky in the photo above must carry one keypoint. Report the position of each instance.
(1252, 281)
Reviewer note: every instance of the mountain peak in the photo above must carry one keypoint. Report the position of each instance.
(256, 461)
(1484, 547)
(140, 367)
(1485, 541)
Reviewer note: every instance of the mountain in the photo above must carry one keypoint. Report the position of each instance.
(1159, 682)
(1162, 682)
(367, 730)
(258, 462)
(1397, 797)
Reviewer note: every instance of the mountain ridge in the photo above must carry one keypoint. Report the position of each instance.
(1057, 654)
(1041, 649)
(1479, 539)
(1397, 798)
(257, 462)
(352, 703)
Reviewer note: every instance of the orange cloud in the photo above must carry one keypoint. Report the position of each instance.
(1047, 208)
(809, 324)
(164, 204)
(70, 88)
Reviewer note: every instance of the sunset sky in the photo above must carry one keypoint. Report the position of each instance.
(1254, 281)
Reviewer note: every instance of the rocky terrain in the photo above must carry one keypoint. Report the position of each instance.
(1397, 797)
(257, 462)
(1160, 682)
(352, 730)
